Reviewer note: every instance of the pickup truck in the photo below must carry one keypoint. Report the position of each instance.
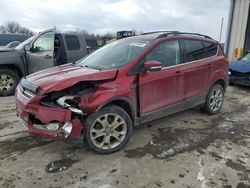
(42, 51)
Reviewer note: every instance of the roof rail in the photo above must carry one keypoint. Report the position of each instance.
(183, 33)
(155, 32)
(166, 33)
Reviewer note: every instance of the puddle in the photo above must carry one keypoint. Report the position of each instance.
(59, 165)
(21, 145)
(242, 185)
(235, 166)
(169, 142)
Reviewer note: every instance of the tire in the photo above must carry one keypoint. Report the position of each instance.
(101, 136)
(214, 99)
(8, 81)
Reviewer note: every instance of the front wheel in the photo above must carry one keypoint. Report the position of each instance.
(214, 99)
(8, 81)
(108, 130)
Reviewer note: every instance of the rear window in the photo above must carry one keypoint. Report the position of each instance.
(92, 43)
(211, 49)
(72, 42)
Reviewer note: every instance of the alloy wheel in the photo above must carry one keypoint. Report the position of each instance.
(216, 99)
(6, 82)
(108, 131)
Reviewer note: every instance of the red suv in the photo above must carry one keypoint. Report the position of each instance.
(100, 98)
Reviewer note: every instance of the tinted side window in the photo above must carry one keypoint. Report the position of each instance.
(194, 50)
(168, 53)
(211, 48)
(72, 42)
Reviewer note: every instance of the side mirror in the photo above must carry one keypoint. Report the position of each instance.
(27, 47)
(152, 66)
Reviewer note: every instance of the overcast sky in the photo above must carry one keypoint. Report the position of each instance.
(102, 16)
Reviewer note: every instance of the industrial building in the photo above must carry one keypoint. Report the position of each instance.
(238, 34)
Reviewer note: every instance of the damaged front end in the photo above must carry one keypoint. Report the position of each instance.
(54, 103)
(239, 78)
(54, 114)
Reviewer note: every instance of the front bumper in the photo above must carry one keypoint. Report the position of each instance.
(38, 119)
(240, 80)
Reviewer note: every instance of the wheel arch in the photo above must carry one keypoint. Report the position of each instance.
(123, 102)
(13, 68)
(222, 82)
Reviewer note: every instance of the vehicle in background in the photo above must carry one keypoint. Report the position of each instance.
(44, 50)
(7, 38)
(13, 44)
(92, 45)
(100, 98)
(239, 71)
(123, 34)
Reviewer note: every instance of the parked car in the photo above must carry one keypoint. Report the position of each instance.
(7, 38)
(239, 71)
(45, 50)
(8, 46)
(13, 44)
(100, 98)
(124, 34)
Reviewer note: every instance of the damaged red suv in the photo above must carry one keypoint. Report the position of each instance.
(100, 98)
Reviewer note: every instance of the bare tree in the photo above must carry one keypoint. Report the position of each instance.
(14, 27)
(3, 29)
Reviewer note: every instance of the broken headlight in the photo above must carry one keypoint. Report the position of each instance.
(70, 102)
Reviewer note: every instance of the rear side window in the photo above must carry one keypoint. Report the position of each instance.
(72, 42)
(194, 50)
(211, 49)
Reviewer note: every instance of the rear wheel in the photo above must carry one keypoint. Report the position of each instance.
(215, 99)
(108, 130)
(8, 82)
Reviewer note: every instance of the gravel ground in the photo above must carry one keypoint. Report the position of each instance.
(188, 149)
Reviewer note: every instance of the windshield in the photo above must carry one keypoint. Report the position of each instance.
(20, 46)
(115, 54)
(246, 58)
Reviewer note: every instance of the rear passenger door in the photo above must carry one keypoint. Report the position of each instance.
(195, 69)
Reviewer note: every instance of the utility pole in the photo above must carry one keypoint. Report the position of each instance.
(221, 28)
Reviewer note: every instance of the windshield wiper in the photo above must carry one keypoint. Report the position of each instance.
(93, 67)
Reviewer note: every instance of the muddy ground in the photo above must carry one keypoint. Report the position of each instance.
(188, 149)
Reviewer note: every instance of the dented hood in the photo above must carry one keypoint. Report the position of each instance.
(61, 77)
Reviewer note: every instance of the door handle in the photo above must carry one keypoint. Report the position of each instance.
(48, 56)
(178, 72)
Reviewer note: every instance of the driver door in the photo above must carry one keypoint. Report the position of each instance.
(40, 55)
(161, 89)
